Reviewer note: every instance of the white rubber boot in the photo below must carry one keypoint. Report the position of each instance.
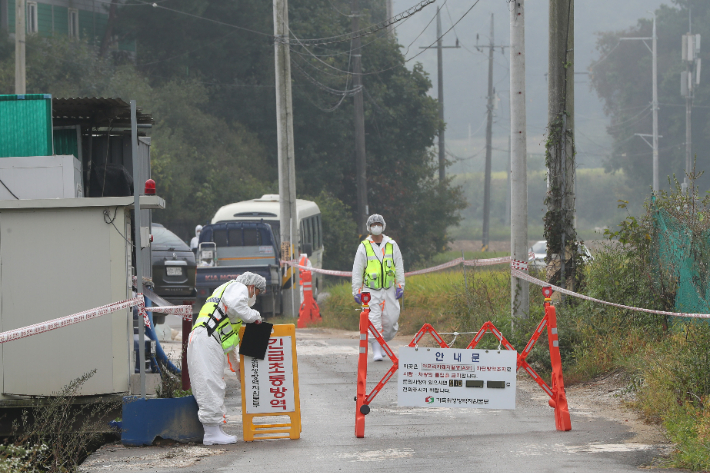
(215, 436)
(376, 351)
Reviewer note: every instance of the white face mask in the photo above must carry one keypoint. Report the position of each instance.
(252, 300)
(376, 230)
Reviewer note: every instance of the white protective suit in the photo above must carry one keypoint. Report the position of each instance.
(206, 360)
(384, 308)
(195, 242)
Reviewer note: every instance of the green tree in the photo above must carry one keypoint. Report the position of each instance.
(339, 232)
(236, 66)
(199, 160)
(622, 78)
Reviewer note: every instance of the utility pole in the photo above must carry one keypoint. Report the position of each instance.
(360, 156)
(440, 87)
(691, 52)
(390, 14)
(559, 224)
(489, 138)
(519, 289)
(286, 153)
(20, 33)
(654, 101)
(506, 217)
(489, 142)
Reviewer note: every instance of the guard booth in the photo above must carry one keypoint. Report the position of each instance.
(60, 257)
(66, 240)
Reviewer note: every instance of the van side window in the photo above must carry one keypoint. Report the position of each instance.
(319, 232)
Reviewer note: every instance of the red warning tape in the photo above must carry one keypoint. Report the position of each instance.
(450, 264)
(68, 320)
(521, 275)
(184, 310)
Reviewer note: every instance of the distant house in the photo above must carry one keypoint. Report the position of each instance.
(83, 19)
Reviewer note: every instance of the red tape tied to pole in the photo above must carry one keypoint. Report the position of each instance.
(522, 275)
(450, 264)
(34, 329)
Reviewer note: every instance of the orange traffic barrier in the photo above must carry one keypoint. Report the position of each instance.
(558, 398)
(309, 312)
(558, 401)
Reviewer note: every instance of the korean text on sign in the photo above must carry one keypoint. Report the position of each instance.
(269, 382)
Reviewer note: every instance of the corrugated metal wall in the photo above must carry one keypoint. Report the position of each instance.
(25, 125)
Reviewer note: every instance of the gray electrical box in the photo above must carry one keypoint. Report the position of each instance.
(59, 257)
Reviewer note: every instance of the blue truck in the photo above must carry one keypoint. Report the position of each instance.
(228, 249)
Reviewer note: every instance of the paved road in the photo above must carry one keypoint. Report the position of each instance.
(397, 438)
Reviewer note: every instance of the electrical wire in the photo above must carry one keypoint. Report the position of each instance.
(8, 189)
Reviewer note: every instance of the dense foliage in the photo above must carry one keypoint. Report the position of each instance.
(210, 88)
(236, 67)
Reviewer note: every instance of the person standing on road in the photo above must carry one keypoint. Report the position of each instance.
(212, 348)
(195, 242)
(378, 269)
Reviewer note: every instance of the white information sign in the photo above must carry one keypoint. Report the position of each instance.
(268, 383)
(451, 377)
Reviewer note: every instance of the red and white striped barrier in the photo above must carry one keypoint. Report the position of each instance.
(522, 275)
(16, 334)
(185, 311)
(68, 320)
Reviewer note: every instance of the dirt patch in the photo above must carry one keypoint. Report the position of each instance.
(609, 397)
(116, 457)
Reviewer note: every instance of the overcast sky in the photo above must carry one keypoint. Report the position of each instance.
(466, 71)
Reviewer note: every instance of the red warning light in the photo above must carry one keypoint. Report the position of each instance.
(150, 187)
(365, 297)
(547, 292)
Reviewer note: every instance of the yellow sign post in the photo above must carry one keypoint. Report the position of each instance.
(270, 388)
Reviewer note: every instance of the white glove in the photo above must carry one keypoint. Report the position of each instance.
(233, 360)
(259, 320)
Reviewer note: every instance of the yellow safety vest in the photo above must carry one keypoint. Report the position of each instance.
(214, 320)
(379, 275)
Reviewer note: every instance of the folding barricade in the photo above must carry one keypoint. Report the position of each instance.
(558, 398)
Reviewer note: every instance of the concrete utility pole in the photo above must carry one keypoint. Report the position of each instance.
(284, 130)
(560, 129)
(489, 142)
(359, 106)
(654, 101)
(390, 14)
(20, 33)
(440, 87)
(689, 78)
(519, 294)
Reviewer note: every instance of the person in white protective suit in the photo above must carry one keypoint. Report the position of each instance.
(212, 346)
(195, 242)
(378, 269)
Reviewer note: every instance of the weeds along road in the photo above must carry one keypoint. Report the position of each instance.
(410, 439)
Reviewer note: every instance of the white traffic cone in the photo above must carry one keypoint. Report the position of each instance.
(215, 436)
(376, 351)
